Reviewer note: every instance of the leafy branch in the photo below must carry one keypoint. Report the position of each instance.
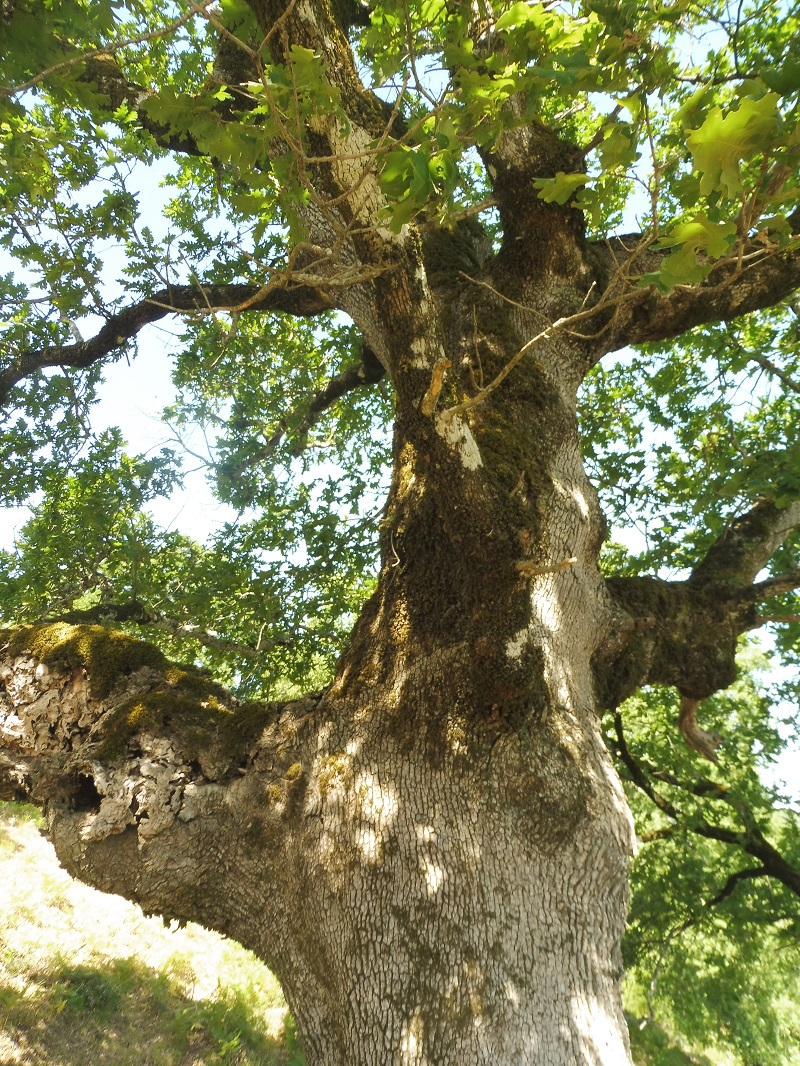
(749, 839)
(304, 416)
(748, 874)
(735, 285)
(122, 326)
(109, 48)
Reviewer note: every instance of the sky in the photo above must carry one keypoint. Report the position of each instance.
(133, 397)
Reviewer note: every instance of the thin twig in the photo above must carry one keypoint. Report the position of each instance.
(107, 49)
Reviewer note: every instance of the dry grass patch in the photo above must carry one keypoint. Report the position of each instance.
(87, 978)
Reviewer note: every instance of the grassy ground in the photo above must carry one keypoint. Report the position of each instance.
(652, 1047)
(85, 978)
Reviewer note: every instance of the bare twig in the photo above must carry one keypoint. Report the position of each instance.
(749, 839)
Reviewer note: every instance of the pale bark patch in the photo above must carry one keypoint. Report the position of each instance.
(357, 173)
(597, 1030)
(411, 1046)
(433, 876)
(459, 436)
(516, 644)
(423, 358)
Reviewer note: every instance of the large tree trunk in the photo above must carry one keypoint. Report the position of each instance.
(428, 888)
(454, 910)
(432, 855)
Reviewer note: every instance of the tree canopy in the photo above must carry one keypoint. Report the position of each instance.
(248, 175)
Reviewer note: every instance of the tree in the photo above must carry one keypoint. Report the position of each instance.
(420, 214)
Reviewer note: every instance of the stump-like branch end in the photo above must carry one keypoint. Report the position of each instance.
(702, 741)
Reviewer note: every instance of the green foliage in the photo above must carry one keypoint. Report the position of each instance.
(723, 142)
(413, 177)
(559, 190)
(650, 1046)
(697, 234)
(720, 969)
(684, 436)
(89, 532)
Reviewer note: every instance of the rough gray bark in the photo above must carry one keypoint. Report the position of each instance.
(424, 893)
(432, 854)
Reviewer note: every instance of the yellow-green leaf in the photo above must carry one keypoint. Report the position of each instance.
(561, 188)
(724, 141)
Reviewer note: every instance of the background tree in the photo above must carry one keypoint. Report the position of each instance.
(414, 221)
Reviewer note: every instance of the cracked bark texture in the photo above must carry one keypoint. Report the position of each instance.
(337, 845)
(432, 854)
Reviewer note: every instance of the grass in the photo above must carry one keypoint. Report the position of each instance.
(87, 978)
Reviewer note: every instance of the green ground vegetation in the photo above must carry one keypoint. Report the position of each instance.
(87, 978)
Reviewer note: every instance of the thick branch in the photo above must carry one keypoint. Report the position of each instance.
(521, 155)
(675, 633)
(732, 288)
(153, 778)
(776, 586)
(685, 633)
(747, 545)
(315, 26)
(125, 324)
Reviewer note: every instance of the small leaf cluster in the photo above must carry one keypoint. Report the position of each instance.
(683, 437)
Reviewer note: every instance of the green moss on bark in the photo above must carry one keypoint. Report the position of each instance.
(187, 703)
(106, 654)
(207, 721)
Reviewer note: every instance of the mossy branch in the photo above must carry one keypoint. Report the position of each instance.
(746, 546)
(116, 688)
(154, 780)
